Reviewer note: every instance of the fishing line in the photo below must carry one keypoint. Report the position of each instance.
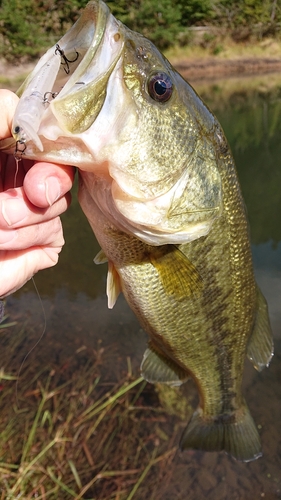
(18, 159)
(36, 343)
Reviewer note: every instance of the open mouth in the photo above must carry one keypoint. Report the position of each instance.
(67, 88)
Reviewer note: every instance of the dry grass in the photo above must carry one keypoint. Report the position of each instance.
(224, 48)
(70, 433)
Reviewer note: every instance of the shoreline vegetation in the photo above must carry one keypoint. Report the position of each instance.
(203, 39)
(74, 431)
(195, 63)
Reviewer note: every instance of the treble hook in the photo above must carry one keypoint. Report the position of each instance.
(66, 61)
(52, 94)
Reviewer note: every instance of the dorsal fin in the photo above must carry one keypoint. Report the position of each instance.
(260, 347)
(178, 275)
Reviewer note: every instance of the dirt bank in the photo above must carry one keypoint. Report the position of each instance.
(212, 68)
(192, 69)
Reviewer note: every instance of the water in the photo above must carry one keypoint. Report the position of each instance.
(73, 294)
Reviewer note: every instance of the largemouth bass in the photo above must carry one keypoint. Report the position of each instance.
(159, 187)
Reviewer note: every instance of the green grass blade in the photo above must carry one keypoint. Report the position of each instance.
(75, 473)
(61, 484)
(33, 462)
(143, 475)
(113, 398)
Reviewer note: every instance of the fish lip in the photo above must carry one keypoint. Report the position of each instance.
(96, 14)
(47, 85)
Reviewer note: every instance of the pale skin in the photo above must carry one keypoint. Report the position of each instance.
(32, 199)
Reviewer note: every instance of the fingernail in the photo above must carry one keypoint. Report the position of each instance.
(13, 212)
(52, 190)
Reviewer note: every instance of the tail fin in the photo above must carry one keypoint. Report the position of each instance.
(236, 434)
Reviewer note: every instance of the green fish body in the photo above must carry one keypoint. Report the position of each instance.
(159, 187)
(202, 310)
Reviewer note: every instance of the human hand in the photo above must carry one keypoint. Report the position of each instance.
(32, 197)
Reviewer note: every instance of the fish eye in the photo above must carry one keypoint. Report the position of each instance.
(17, 129)
(160, 87)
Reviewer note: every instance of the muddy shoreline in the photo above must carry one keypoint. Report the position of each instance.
(212, 68)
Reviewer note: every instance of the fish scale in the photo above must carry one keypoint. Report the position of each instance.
(195, 332)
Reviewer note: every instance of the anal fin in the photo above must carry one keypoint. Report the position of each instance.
(236, 434)
(155, 367)
(260, 347)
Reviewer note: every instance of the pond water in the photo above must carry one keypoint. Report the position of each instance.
(73, 295)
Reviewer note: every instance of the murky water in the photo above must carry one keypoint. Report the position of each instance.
(74, 299)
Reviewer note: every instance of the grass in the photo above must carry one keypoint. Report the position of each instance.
(11, 76)
(218, 47)
(223, 47)
(70, 433)
(11, 83)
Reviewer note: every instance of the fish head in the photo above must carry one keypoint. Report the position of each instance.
(107, 101)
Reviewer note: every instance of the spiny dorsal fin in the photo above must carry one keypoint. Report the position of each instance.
(236, 434)
(260, 347)
(113, 285)
(100, 258)
(178, 275)
(156, 367)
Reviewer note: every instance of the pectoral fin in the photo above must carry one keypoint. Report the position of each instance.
(178, 275)
(113, 285)
(260, 348)
(100, 258)
(157, 368)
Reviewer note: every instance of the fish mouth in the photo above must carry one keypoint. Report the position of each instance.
(67, 88)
